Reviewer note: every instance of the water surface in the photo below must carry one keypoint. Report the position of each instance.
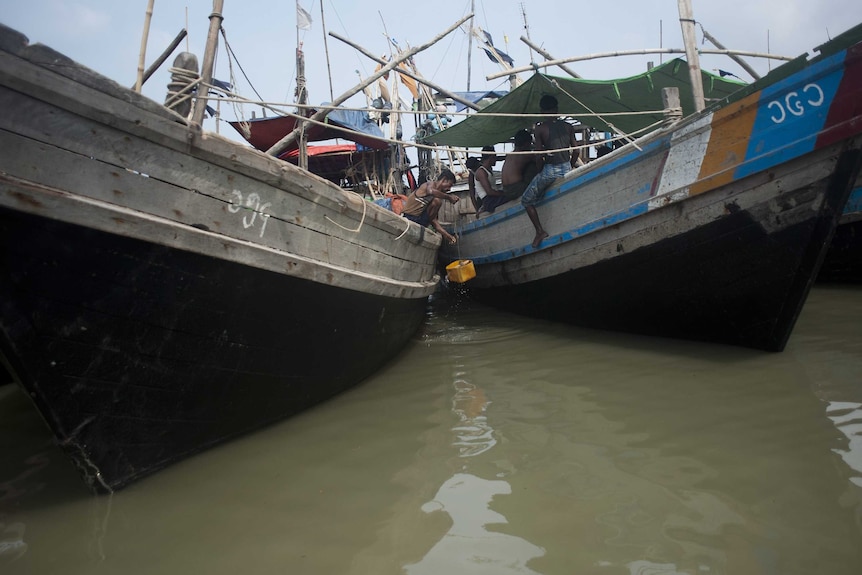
(495, 444)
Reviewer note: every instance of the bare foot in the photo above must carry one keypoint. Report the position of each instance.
(537, 241)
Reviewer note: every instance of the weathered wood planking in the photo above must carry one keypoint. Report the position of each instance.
(31, 198)
(189, 173)
(107, 183)
(140, 121)
(808, 183)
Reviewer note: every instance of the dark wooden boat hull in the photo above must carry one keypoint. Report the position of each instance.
(731, 281)
(140, 355)
(163, 289)
(843, 263)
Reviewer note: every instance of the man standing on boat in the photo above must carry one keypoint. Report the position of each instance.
(556, 138)
(423, 203)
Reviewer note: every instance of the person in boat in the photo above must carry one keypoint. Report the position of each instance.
(493, 196)
(519, 169)
(473, 164)
(556, 138)
(489, 196)
(423, 203)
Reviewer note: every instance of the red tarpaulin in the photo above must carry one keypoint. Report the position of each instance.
(266, 132)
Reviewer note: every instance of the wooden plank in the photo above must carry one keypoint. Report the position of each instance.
(755, 193)
(85, 138)
(141, 122)
(56, 204)
(133, 191)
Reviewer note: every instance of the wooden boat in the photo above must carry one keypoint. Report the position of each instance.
(711, 228)
(163, 289)
(843, 263)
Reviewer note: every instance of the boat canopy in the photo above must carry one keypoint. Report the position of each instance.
(263, 133)
(587, 101)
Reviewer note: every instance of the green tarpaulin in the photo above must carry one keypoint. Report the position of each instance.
(580, 99)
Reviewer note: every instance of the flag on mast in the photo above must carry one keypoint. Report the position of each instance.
(303, 18)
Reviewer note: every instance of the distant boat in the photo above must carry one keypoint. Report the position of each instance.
(335, 162)
(163, 289)
(711, 228)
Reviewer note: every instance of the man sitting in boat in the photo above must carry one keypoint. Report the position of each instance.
(518, 169)
(473, 164)
(423, 203)
(558, 137)
(489, 197)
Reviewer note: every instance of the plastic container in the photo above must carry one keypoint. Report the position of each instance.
(460, 271)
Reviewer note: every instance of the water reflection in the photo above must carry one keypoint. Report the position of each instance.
(657, 457)
(12, 545)
(847, 417)
(473, 434)
(468, 547)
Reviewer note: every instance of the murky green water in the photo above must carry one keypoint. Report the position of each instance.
(496, 444)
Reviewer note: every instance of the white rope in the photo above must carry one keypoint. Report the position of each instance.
(182, 83)
(406, 221)
(364, 209)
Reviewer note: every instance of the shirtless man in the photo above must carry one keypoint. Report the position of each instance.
(423, 203)
(519, 169)
(551, 134)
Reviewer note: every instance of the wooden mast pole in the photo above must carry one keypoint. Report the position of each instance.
(470, 46)
(686, 22)
(548, 56)
(301, 99)
(596, 56)
(745, 66)
(408, 73)
(161, 59)
(209, 60)
(326, 51)
(143, 54)
(286, 141)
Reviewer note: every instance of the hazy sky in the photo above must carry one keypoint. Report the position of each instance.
(105, 35)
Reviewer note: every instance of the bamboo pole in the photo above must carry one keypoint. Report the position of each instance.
(733, 57)
(209, 60)
(547, 56)
(326, 51)
(470, 46)
(161, 59)
(143, 54)
(599, 55)
(417, 77)
(686, 22)
(286, 141)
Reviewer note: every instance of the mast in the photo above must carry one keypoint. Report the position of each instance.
(411, 74)
(209, 59)
(326, 49)
(143, 55)
(282, 144)
(303, 22)
(544, 53)
(734, 57)
(301, 99)
(470, 45)
(686, 22)
(528, 42)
